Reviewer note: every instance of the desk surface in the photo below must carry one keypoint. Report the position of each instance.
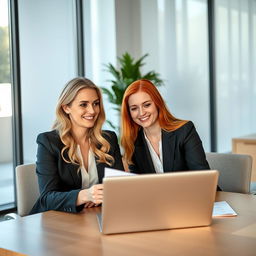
(251, 137)
(59, 233)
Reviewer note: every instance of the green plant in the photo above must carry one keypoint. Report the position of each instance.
(129, 71)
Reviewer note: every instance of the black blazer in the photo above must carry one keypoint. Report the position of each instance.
(59, 182)
(182, 150)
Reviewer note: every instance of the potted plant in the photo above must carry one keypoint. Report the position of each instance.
(129, 71)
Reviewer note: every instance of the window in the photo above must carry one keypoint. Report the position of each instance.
(235, 70)
(177, 43)
(6, 163)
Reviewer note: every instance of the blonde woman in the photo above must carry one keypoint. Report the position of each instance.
(71, 158)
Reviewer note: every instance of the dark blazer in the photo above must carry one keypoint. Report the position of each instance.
(182, 150)
(59, 182)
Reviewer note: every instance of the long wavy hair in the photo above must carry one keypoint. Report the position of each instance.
(129, 129)
(99, 145)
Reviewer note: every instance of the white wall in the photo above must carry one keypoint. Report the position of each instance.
(48, 61)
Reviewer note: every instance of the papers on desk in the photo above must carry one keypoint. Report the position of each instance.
(113, 173)
(223, 209)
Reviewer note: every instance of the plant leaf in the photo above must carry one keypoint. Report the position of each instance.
(111, 96)
(119, 92)
(154, 77)
(113, 71)
(129, 71)
(111, 124)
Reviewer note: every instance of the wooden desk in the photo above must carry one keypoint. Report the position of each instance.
(246, 145)
(59, 233)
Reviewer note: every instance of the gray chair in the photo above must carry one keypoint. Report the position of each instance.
(27, 190)
(235, 171)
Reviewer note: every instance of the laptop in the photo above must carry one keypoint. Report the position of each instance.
(158, 201)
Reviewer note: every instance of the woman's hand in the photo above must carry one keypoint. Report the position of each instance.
(92, 196)
(90, 205)
(95, 194)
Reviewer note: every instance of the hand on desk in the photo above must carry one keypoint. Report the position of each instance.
(91, 197)
(90, 205)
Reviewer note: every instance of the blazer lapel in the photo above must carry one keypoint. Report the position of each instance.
(77, 177)
(100, 169)
(168, 147)
(73, 170)
(143, 154)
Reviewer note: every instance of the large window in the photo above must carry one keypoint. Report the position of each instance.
(236, 68)
(175, 34)
(48, 60)
(100, 45)
(6, 165)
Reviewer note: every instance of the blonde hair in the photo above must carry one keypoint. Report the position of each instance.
(99, 145)
(130, 129)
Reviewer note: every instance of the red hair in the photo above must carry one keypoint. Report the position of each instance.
(129, 130)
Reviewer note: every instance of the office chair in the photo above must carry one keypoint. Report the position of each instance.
(234, 169)
(27, 190)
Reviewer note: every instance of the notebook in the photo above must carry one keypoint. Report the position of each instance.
(158, 201)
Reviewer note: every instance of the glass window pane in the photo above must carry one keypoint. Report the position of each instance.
(48, 61)
(235, 70)
(6, 165)
(175, 34)
(100, 47)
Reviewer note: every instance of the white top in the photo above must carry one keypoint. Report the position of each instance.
(89, 177)
(157, 161)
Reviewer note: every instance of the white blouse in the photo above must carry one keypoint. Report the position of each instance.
(157, 160)
(89, 177)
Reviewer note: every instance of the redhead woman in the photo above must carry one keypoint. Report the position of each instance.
(71, 158)
(154, 141)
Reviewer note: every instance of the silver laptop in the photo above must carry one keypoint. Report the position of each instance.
(158, 201)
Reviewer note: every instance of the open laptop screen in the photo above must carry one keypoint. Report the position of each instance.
(158, 201)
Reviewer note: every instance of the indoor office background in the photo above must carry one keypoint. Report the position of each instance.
(204, 50)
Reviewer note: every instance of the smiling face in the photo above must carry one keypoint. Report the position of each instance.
(143, 110)
(84, 110)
